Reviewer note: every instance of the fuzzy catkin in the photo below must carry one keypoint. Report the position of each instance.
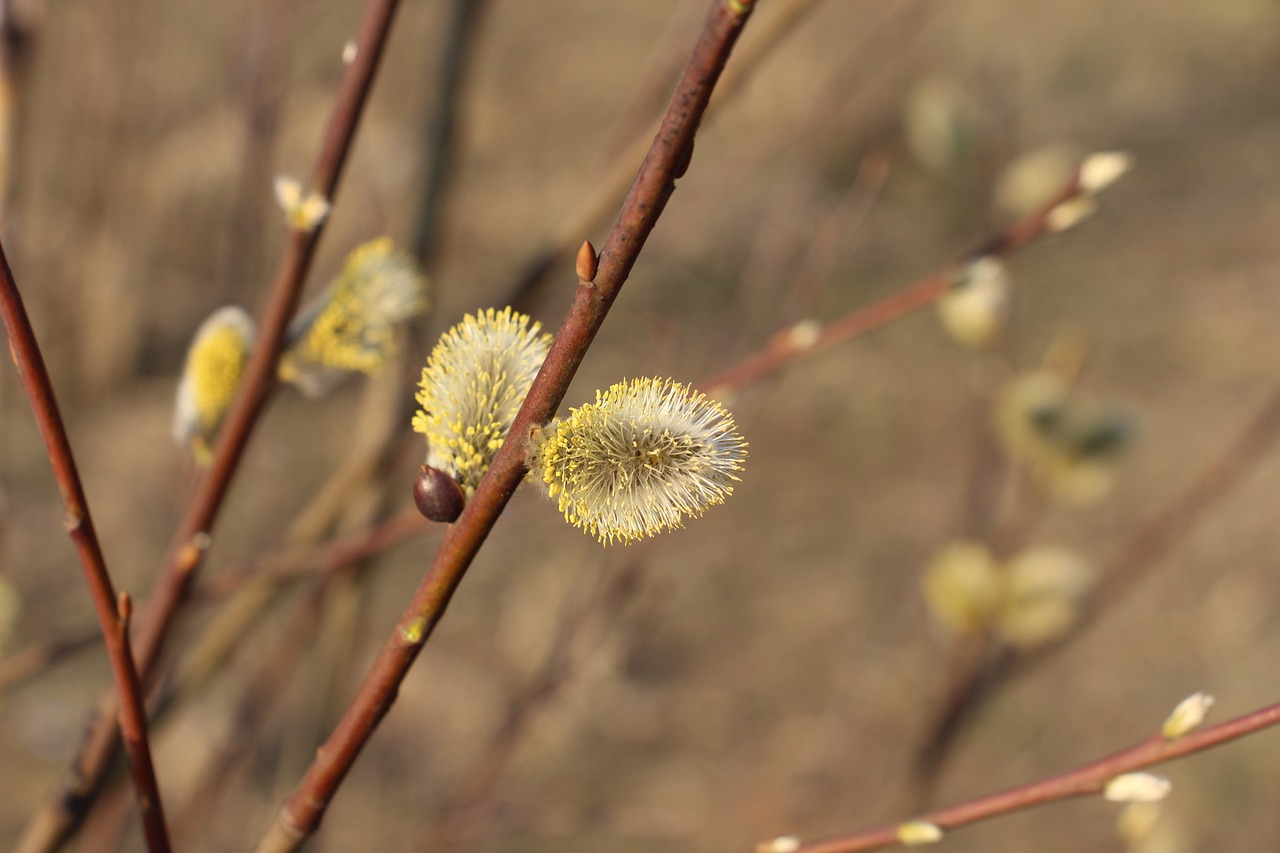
(646, 455)
(353, 327)
(211, 375)
(472, 387)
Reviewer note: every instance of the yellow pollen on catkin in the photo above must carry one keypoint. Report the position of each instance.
(647, 455)
(472, 387)
(353, 327)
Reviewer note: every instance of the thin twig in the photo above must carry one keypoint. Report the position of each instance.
(465, 809)
(1087, 780)
(668, 158)
(58, 818)
(802, 341)
(440, 135)
(37, 658)
(113, 611)
(599, 199)
(1132, 561)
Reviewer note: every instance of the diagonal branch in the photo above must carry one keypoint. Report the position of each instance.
(113, 612)
(667, 160)
(1089, 779)
(58, 818)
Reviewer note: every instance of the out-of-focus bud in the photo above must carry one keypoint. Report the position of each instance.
(10, 608)
(781, 844)
(353, 327)
(1068, 449)
(975, 307)
(1137, 788)
(963, 588)
(1070, 213)
(1046, 590)
(1027, 183)
(1188, 716)
(915, 832)
(303, 212)
(1101, 170)
(1136, 822)
(942, 124)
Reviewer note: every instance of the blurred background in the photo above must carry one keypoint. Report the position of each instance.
(774, 668)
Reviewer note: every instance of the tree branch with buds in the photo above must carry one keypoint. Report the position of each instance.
(1109, 776)
(666, 162)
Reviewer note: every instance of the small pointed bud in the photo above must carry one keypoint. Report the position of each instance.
(349, 53)
(1103, 169)
(919, 832)
(437, 495)
(587, 261)
(1188, 716)
(124, 608)
(1137, 788)
(781, 844)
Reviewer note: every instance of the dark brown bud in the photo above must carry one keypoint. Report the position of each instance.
(437, 495)
(586, 264)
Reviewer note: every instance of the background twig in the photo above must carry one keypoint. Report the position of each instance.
(113, 611)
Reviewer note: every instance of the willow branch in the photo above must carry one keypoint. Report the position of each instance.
(804, 340)
(1141, 552)
(1084, 781)
(666, 162)
(59, 817)
(113, 612)
(598, 201)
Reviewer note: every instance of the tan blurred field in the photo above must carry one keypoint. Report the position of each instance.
(774, 667)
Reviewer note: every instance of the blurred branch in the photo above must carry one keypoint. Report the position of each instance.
(1135, 558)
(555, 673)
(600, 198)
(35, 659)
(59, 817)
(1090, 779)
(441, 134)
(113, 610)
(667, 160)
(267, 60)
(806, 339)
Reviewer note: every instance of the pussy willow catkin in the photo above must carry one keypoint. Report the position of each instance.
(646, 455)
(352, 327)
(474, 382)
(214, 366)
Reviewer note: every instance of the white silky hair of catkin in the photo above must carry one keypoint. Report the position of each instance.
(646, 455)
(472, 387)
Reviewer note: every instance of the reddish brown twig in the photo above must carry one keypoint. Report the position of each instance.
(1088, 780)
(466, 808)
(58, 818)
(113, 612)
(667, 160)
(794, 343)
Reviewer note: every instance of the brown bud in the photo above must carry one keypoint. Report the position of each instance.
(437, 495)
(586, 263)
(124, 608)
